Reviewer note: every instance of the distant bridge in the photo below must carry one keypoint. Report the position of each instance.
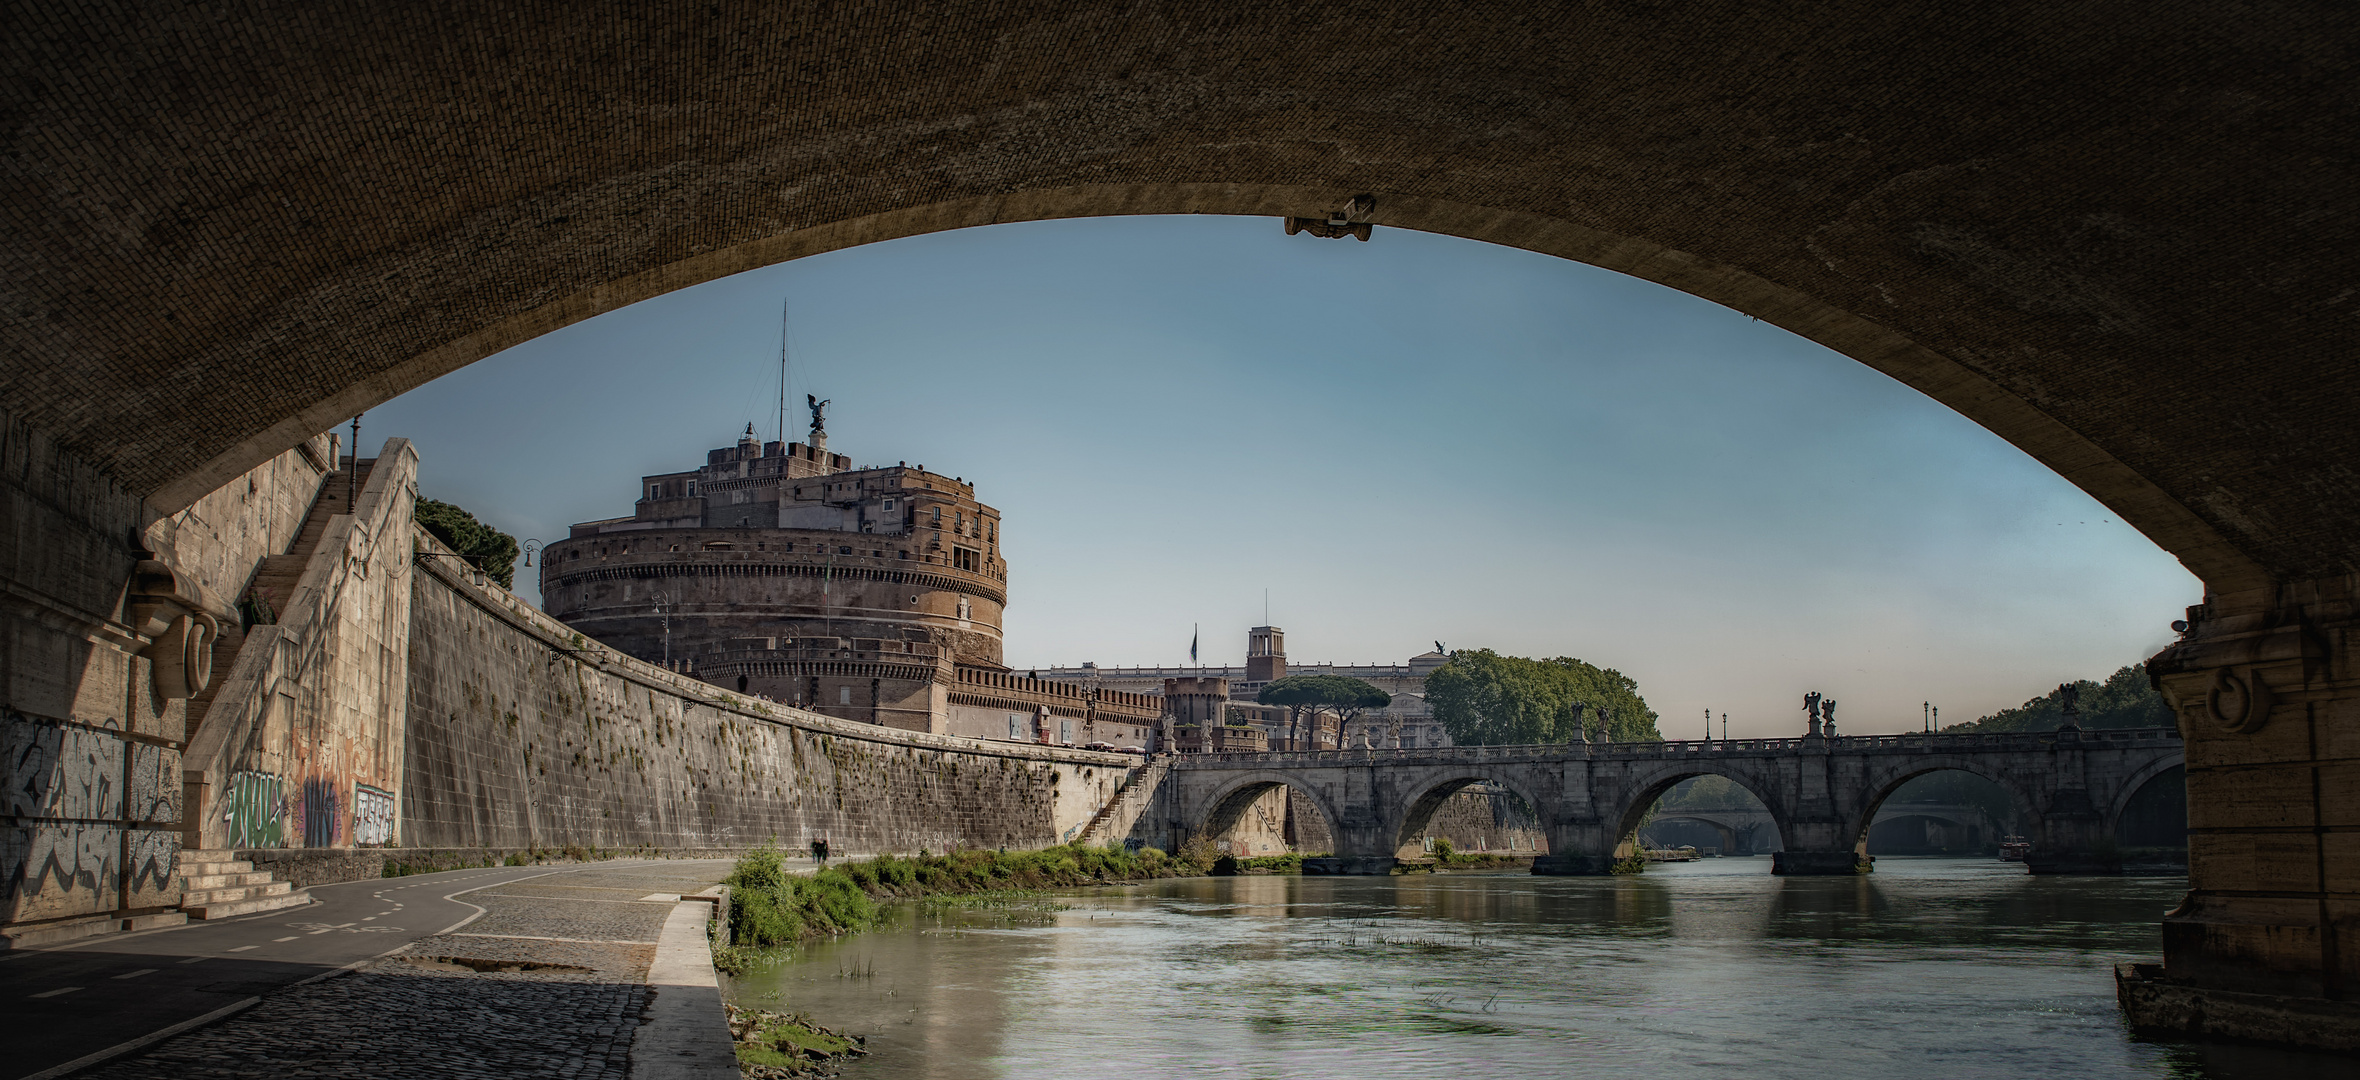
(1746, 831)
(2071, 788)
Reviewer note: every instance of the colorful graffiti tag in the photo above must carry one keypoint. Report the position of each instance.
(321, 823)
(255, 809)
(372, 816)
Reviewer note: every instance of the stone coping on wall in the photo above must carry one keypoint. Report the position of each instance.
(2110, 738)
(564, 640)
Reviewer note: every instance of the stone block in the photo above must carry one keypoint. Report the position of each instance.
(2161, 1007)
(154, 791)
(2335, 724)
(2253, 862)
(56, 871)
(146, 714)
(2340, 851)
(2249, 797)
(2339, 796)
(153, 868)
(2285, 739)
(101, 687)
(55, 771)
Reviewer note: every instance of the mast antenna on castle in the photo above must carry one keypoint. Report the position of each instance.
(782, 369)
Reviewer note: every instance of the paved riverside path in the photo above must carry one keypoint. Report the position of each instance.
(412, 1014)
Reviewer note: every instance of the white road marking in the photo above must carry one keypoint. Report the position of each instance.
(195, 959)
(276, 940)
(136, 974)
(371, 918)
(243, 948)
(56, 992)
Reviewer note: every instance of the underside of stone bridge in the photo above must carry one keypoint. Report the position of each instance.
(2119, 235)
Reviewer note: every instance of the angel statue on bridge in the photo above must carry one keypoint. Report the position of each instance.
(1827, 712)
(1811, 708)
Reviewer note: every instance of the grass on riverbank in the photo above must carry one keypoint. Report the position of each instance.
(769, 907)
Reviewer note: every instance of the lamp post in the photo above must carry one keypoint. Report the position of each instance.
(530, 546)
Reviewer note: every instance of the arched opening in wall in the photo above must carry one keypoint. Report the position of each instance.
(1264, 818)
(1695, 817)
(881, 378)
(2151, 831)
(1713, 816)
(1946, 814)
(1471, 819)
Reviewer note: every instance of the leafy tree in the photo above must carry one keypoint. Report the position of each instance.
(488, 548)
(1482, 697)
(2123, 700)
(1304, 695)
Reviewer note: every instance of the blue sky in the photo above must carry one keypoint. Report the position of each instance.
(1410, 439)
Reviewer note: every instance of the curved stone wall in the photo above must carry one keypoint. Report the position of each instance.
(524, 732)
(856, 585)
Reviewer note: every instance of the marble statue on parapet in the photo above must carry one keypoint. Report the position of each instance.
(1827, 711)
(1605, 726)
(1811, 707)
(1580, 732)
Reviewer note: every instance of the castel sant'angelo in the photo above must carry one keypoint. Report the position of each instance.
(871, 594)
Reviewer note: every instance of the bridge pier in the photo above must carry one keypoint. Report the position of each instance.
(1818, 848)
(2266, 946)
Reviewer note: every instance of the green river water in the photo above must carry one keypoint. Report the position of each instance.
(1929, 967)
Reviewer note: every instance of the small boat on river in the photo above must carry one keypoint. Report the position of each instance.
(2014, 848)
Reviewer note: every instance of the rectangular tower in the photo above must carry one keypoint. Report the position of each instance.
(1266, 654)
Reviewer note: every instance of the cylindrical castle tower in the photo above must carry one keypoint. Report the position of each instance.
(776, 570)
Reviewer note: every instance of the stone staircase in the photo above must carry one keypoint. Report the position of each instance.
(275, 578)
(218, 885)
(1124, 806)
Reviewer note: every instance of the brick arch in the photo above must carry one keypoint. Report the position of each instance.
(1432, 786)
(190, 297)
(1883, 782)
(1220, 811)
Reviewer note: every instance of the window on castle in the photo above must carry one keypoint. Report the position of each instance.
(888, 506)
(1065, 731)
(843, 695)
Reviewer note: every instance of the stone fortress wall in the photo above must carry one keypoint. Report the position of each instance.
(524, 732)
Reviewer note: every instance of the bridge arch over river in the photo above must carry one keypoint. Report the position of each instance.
(1821, 794)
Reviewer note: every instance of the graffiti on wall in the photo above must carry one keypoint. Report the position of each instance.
(154, 792)
(59, 772)
(321, 824)
(154, 862)
(372, 816)
(254, 809)
(57, 870)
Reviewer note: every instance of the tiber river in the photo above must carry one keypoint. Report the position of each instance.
(1931, 967)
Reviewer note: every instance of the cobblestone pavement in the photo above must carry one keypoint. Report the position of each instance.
(444, 1006)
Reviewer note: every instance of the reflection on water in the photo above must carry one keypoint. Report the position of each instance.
(1929, 967)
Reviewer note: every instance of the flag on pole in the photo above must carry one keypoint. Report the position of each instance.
(1192, 643)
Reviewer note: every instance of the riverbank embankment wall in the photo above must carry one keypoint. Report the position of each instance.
(524, 734)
